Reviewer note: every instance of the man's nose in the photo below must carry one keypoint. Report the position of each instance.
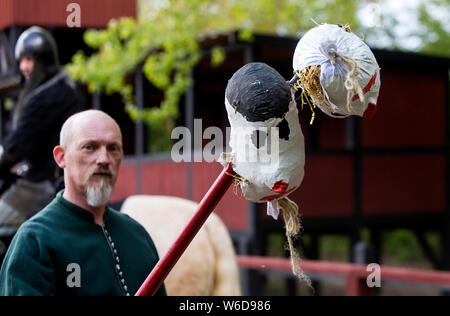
(103, 156)
(25, 63)
(23, 66)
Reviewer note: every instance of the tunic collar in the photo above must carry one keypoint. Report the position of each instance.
(79, 211)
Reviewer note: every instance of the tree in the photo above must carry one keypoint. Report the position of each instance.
(418, 26)
(436, 32)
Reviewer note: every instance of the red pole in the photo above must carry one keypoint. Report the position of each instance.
(205, 208)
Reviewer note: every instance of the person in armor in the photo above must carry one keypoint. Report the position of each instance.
(47, 99)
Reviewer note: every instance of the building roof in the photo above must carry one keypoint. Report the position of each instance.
(54, 13)
(401, 58)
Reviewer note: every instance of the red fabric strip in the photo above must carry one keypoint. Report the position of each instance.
(367, 87)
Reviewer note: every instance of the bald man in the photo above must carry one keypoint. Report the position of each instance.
(77, 245)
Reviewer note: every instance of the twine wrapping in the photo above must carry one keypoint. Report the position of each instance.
(351, 81)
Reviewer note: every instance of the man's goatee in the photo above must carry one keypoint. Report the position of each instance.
(99, 194)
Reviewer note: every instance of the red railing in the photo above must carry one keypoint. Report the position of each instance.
(355, 274)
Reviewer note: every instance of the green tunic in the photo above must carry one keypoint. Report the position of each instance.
(61, 251)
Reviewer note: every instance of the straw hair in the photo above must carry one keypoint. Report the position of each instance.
(309, 81)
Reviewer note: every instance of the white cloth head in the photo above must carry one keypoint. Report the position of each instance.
(322, 46)
(276, 168)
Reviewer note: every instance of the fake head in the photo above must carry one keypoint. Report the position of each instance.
(338, 71)
(264, 123)
(266, 139)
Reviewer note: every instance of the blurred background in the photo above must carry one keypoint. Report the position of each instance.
(375, 190)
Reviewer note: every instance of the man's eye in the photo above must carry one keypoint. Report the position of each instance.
(114, 148)
(88, 147)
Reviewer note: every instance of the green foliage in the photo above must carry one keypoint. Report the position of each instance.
(401, 245)
(164, 40)
(218, 55)
(421, 27)
(435, 34)
(335, 247)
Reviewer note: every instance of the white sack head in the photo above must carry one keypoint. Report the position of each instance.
(348, 72)
(266, 139)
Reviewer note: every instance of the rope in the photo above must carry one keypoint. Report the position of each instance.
(292, 222)
(351, 81)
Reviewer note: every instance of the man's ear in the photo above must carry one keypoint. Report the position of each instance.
(58, 155)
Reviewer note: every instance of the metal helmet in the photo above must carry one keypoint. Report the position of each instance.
(40, 44)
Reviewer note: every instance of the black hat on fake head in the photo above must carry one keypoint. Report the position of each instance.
(258, 92)
(40, 44)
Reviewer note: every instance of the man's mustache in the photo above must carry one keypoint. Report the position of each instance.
(102, 171)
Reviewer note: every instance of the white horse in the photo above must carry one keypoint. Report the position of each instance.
(208, 267)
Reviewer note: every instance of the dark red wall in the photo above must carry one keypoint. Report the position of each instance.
(169, 178)
(52, 13)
